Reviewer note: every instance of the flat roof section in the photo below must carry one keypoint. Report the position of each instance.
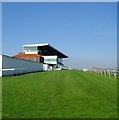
(47, 49)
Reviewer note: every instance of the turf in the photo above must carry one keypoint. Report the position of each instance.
(59, 94)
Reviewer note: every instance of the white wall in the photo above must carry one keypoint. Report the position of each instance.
(31, 52)
(45, 67)
(20, 66)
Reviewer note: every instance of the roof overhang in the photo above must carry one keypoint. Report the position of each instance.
(51, 50)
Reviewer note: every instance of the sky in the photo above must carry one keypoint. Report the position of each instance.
(86, 32)
(60, 0)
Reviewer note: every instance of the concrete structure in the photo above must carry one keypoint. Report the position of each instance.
(14, 66)
(46, 67)
(52, 57)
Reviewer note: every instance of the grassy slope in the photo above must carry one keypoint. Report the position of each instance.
(59, 94)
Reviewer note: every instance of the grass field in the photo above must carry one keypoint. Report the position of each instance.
(59, 94)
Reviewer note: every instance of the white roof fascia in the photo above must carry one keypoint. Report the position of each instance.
(44, 44)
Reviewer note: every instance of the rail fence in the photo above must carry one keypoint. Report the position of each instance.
(101, 71)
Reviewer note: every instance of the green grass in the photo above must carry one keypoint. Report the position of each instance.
(59, 94)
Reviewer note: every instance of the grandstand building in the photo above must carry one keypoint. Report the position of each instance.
(43, 53)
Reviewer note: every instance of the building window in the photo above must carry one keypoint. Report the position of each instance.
(41, 59)
(35, 59)
(50, 60)
(30, 49)
(39, 51)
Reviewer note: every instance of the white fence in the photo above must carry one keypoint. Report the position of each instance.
(14, 66)
(107, 71)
